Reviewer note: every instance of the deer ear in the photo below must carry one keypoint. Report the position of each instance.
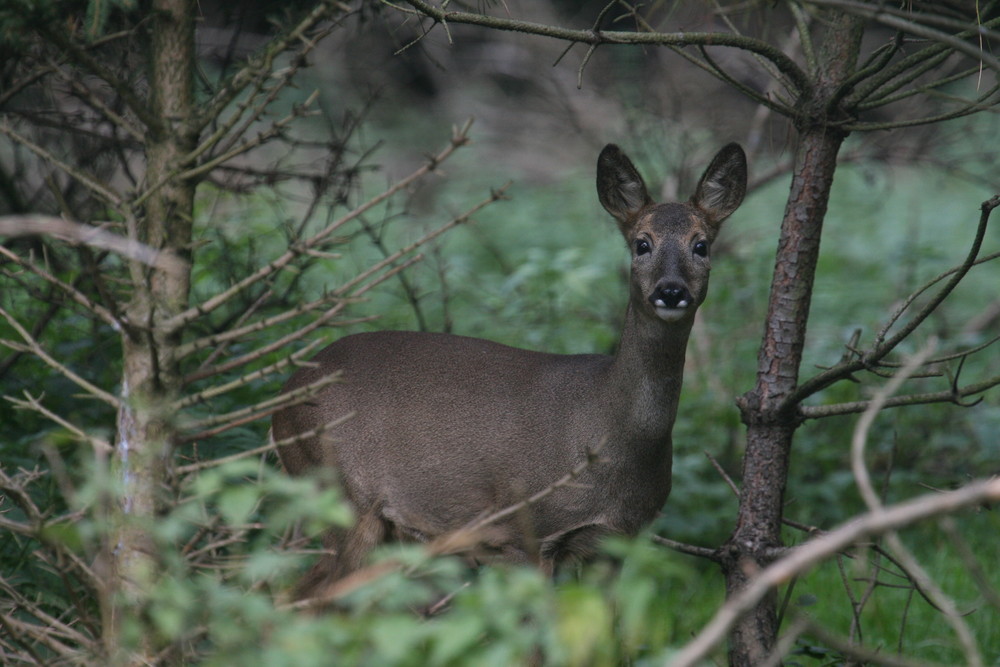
(723, 185)
(619, 186)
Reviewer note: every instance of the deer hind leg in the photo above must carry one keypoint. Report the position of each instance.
(344, 552)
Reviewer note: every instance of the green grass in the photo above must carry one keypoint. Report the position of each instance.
(894, 616)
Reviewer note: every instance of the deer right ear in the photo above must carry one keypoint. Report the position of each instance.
(619, 186)
(723, 185)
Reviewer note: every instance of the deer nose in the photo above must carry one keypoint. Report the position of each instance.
(671, 296)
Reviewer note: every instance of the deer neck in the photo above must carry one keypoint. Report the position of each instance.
(647, 373)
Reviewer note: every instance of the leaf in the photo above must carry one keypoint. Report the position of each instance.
(63, 533)
(455, 638)
(584, 624)
(237, 503)
(396, 637)
(97, 17)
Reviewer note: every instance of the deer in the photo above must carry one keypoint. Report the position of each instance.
(445, 429)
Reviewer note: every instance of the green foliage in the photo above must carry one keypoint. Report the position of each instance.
(891, 615)
(546, 270)
(526, 277)
(18, 17)
(220, 597)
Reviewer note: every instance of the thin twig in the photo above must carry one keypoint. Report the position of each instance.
(36, 348)
(883, 345)
(785, 65)
(459, 138)
(689, 549)
(953, 395)
(102, 191)
(803, 558)
(871, 498)
(90, 236)
(29, 402)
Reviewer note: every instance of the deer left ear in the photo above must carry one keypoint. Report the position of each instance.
(619, 186)
(723, 185)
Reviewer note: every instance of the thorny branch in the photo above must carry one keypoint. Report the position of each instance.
(459, 138)
(875, 506)
(32, 345)
(803, 558)
(799, 79)
(909, 22)
(885, 344)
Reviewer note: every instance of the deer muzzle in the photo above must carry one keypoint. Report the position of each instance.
(671, 302)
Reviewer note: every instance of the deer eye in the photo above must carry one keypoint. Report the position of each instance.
(642, 247)
(701, 249)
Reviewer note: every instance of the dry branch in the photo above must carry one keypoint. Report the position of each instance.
(71, 291)
(874, 503)
(276, 128)
(806, 556)
(33, 346)
(461, 540)
(104, 193)
(458, 139)
(783, 63)
(94, 237)
(30, 402)
(885, 344)
(349, 292)
(263, 75)
(954, 395)
(907, 21)
(263, 64)
(294, 359)
(259, 410)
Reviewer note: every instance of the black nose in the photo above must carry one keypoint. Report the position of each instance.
(671, 296)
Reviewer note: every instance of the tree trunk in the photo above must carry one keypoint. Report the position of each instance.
(146, 429)
(770, 423)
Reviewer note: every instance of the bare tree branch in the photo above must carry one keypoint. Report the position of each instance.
(105, 193)
(294, 359)
(459, 138)
(36, 348)
(906, 21)
(784, 64)
(804, 557)
(261, 66)
(884, 344)
(94, 237)
(30, 402)
(952, 396)
(875, 505)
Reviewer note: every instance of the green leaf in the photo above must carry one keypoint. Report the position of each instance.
(456, 637)
(237, 503)
(97, 17)
(396, 638)
(584, 624)
(66, 534)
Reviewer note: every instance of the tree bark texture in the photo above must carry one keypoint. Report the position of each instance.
(146, 428)
(771, 423)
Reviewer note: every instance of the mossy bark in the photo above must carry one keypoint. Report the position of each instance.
(151, 378)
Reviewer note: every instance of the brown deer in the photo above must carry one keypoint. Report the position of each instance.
(448, 429)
